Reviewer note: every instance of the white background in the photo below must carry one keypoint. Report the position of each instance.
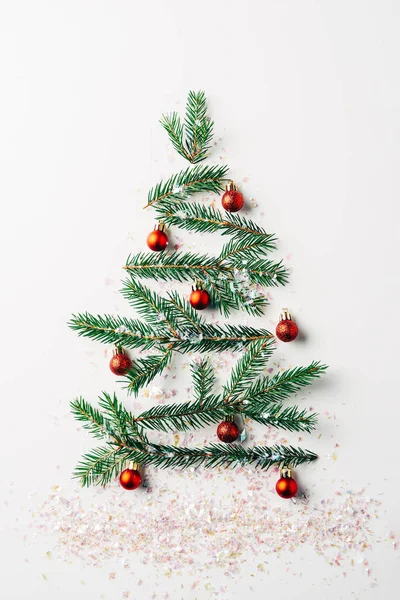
(306, 100)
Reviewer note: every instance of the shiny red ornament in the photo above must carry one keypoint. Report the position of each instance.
(199, 299)
(120, 362)
(130, 478)
(286, 486)
(157, 240)
(232, 200)
(286, 330)
(228, 431)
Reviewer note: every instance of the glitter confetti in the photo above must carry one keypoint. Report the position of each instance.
(339, 528)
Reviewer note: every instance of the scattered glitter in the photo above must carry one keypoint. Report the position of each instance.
(203, 530)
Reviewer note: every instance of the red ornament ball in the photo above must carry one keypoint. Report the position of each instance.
(157, 240)
(286, 487)
(130, 479)
(286, 330)
(232, 200)
(199, 299)
(120, 363)
(228, 431)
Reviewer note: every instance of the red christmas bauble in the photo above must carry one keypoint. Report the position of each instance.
(228, 431)
(232, 200)
(120, 363)
(286, 487)
(157, 240)
(130, 479)
(199, 299)
(286, 330)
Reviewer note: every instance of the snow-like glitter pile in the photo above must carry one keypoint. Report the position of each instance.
(174, 530)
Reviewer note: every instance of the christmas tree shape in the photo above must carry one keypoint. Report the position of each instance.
(233, 280)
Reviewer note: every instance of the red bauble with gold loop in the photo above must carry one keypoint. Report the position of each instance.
(157, 240)
(199, 299)
(232, 200)
(120, 362)
(286, 486)
(228, 431)
(130, 478)
(286, 330)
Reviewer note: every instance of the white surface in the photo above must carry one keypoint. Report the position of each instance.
(305, 96)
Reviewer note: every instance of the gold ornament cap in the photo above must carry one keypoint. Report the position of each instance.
(230, 186)
(285, 315)
(133, 466)
(118, 350)
(197, 285)
(286, 471)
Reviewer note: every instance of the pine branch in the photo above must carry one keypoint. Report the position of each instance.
(136, 334)
(246, 251)
(249, 299)
(101, 465)
(198, 127)
(282, 385)
(150, 305)
(290, 418)
(247, 368)
(119, 417)
(183, 313)
(267, 456)
(187, 266)
(233, 293)
(262, 272)
(194, 216)
(146, 369)
(184, 416)
(222, 294)
(91, 418)
(203, 380)
(177, 266)
(196, 414)
(193, 140)
(188, 182)
(219, 338)
(120, 331)
(174, 128)
(218, 455)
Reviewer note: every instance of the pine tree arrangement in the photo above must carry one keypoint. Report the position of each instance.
(231, 281)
